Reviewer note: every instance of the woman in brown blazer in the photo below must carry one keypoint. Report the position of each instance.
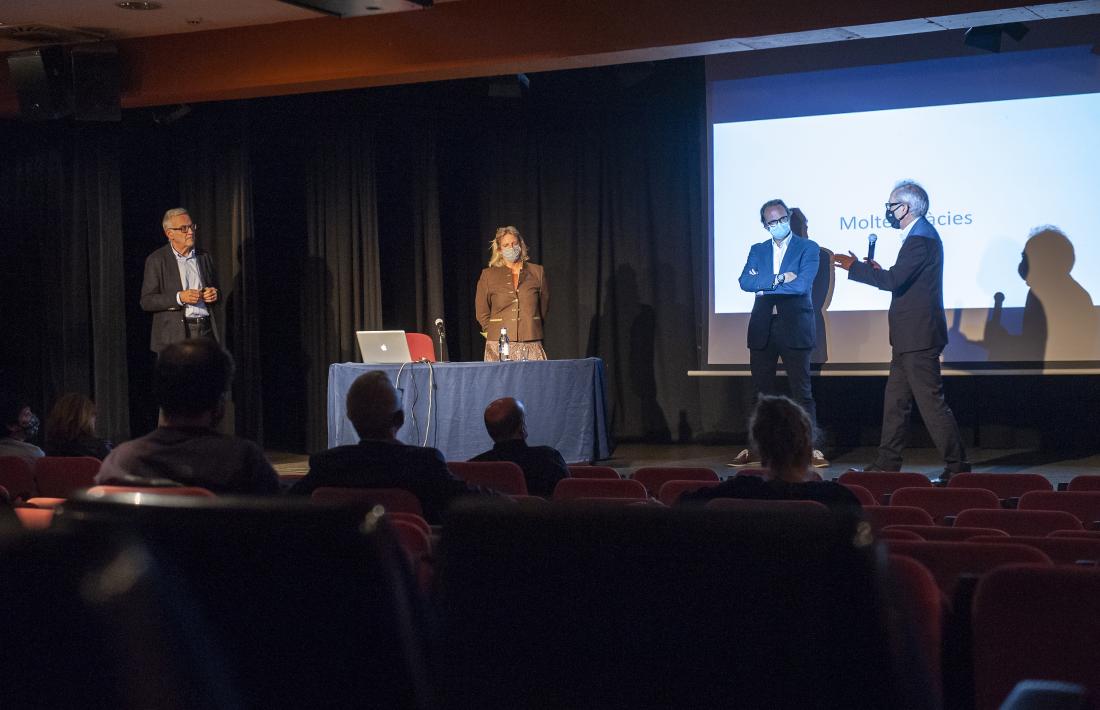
(512, 293)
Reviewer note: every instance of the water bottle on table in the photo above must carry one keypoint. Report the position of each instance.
(504, 348)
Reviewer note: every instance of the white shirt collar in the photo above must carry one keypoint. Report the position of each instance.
(905, 232)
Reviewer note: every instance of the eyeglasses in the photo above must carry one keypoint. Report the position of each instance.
(775, 222)
(186, 228)
(891, 205)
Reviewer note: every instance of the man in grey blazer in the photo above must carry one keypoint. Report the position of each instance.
(180, 285)
(918, 332)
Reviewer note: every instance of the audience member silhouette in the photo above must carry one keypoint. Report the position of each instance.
(380, 460)
(543, 466)
(20, 424)
(191, 382)
(70, 428)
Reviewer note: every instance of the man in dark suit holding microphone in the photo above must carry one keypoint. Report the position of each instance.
(781, 271)
(918, 332)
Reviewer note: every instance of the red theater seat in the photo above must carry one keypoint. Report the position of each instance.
(919, 596)
(949, 560)
(35, 518)
(1084, 505)
(1005, 485)
(653, 477)
(1090, 534)
(411, 519)
(393, 500)
(1035, 623)
(896, 533)
(1087, 482)
(883, 483)
(948, 533)
(672, 490)
(17, 476)
(503, 476)
(945, 503)
(582, 471)
(1019, 522)
(865, 496)
(61, 476)
(1061, 550)
(882, 515)
(573, 488)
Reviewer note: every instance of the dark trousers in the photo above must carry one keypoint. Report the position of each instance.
(199, 330)
(763, 364)
(916, 376)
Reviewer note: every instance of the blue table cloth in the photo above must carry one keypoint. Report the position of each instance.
(566, 404)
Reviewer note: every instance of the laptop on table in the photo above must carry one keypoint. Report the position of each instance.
(383, 346)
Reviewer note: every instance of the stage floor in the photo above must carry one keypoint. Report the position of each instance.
(1058, 468)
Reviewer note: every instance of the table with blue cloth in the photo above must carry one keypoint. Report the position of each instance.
(566, 403)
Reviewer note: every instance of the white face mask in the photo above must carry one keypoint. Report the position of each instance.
(510, 254)
(779, 232)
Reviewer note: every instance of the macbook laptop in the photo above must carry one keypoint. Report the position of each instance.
(383, 346)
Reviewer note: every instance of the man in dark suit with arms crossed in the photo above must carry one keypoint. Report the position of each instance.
(918, 332)
(180, 285)
(781, 271)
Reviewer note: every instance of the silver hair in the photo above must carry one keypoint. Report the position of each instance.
(174, 212)
(911, 193)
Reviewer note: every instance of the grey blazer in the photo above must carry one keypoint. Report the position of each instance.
(158, 295)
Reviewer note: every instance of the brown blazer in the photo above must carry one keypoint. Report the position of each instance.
(521, 310)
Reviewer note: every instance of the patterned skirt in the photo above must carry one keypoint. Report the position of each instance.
(521, 350)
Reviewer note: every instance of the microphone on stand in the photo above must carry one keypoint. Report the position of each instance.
(871, 239)
(442, 337)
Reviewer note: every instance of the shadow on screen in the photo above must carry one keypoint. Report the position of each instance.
(1058, 321)
(822, 291)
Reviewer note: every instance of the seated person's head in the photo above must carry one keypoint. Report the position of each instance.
(506, 419)
(19, 421)
(373, 407)
(191, 380)
(72, 418)
(782, 433)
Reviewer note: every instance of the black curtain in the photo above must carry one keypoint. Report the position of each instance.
(60, 216)
(340, 293)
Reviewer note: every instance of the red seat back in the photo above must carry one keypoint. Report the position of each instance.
(865, 496)
(882, 515)
(585, 471)
(807, 507)
(1090, 534)
(672, 490)
(17, 476)
(653, 477)
(949, 560)
(503, 476)
(193, 491)
(573, 488)
(919, 596)
(1005, 485)
(896, 533)
(1084, 505)
(943, 502)
(411, 519)
(420, 347)
(391, 499)
(35, 518)
(946, 533)
(61, 476)
(1084, 482)
(1019, 522)
(1035, 622)
(1061, 550)
(884, 483)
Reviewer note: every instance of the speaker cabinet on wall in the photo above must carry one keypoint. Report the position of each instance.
(41, 78)
(96, 82)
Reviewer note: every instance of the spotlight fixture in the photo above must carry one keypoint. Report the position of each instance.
(989, 37)
(138, 5)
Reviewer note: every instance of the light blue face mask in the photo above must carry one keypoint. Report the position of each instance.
(780, 231)
(510, 254)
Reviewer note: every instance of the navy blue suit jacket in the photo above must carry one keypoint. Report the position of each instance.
(917, 321)
(792, 301)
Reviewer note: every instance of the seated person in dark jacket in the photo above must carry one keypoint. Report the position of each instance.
(543, 466)
(70, 428)
(781, 431)
(380, 460)
(191, 382)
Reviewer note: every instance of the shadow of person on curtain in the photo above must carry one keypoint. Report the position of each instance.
(320, 347)
(822, 291)
(641, 351)
(1055, 299)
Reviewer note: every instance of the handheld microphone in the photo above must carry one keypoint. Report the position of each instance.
(439, 325)
(871, 239)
